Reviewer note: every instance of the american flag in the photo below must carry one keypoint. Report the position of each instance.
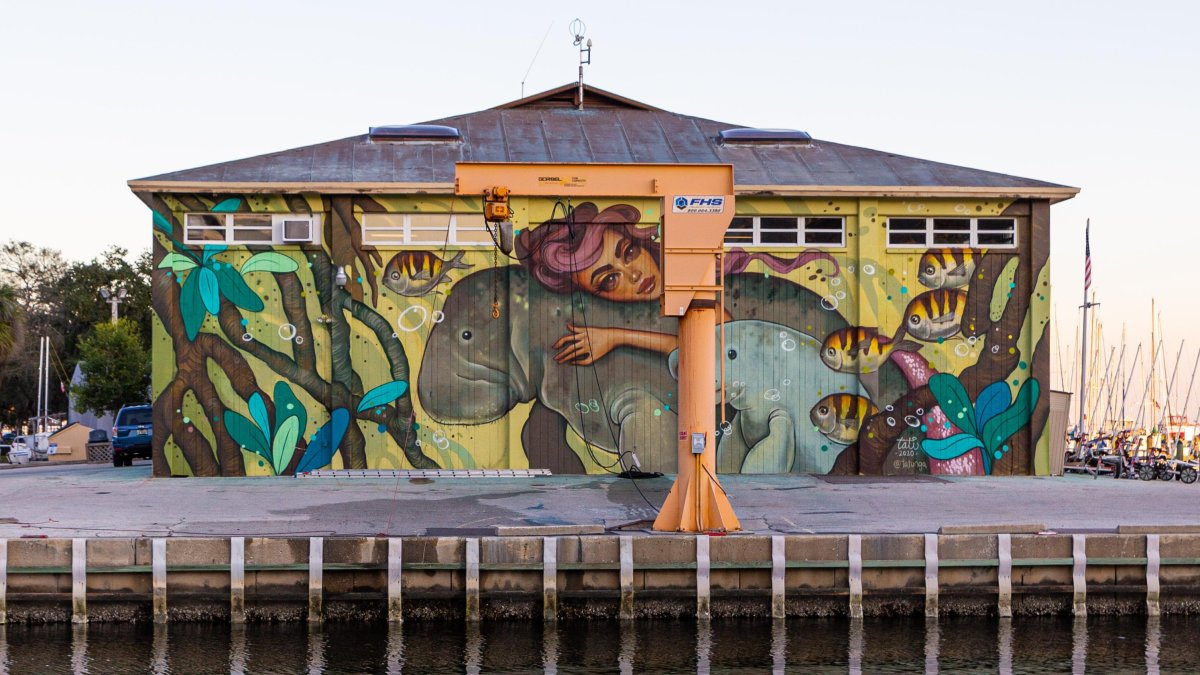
(1087, 257)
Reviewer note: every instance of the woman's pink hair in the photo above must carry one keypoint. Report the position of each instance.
(737, 260)
(557, 248)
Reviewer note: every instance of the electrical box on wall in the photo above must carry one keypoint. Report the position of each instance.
(698, 443)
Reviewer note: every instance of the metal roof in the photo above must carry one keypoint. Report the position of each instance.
(547, 127)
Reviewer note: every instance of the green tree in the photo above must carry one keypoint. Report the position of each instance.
(61, 299)
(12, 323)
(33, 273)
(116, 368)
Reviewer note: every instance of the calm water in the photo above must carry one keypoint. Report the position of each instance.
(959, 645)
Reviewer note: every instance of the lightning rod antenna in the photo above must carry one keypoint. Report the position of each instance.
(534, 59)
(578, 29)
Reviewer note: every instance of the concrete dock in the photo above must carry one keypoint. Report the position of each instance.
(84, 543)
(103, 501)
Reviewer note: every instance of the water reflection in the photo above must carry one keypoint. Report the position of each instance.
(933, 639)
(1079, 645)
(916, 645)
(628, 647)
(395, 649)
(778, 646)
(1153, 639)
(1004, 645)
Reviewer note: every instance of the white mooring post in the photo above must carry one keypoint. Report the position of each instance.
(550, 579)
(316, 579)
(703, 578)
(79, 581)
(931, 576)
(1153, 561)
(395, 579)
(237, 580)
(3, 581)
(626, 611)
(472, 580)
(854, 551)
(1004, 577)
(1079, 573)
(158, 571)
(778, 577)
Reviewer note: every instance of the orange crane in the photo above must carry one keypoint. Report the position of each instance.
(697, 207)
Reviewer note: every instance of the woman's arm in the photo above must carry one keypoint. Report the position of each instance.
(587, 344)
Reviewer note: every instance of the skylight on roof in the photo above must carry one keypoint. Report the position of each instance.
(414, 132)
(748, 135)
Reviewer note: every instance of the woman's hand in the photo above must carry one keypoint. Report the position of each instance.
(585, 345)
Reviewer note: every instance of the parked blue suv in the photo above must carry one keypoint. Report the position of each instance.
(132, 434)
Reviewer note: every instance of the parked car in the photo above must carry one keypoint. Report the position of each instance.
(6, 441)
(131, 434)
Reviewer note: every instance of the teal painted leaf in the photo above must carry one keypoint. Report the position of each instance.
(269, 261)
(258, 412)
(210, 251)
(234, 287)
(952, 447)
(991, 402)
(246, 434)
(162, 223)
(176, 262)
(227, 205)
(383, 395)
(284, 445)
(999, 428)
(953, 399)
(209, 292)
(191, 306)
(319, 453)
(287, 405)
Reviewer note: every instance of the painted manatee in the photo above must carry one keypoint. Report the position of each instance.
(773, 377)
(476, 368)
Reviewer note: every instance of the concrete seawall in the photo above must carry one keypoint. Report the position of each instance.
(596, 576)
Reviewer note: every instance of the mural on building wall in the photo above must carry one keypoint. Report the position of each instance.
(847, 360)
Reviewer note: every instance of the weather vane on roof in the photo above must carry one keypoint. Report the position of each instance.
(578, 29)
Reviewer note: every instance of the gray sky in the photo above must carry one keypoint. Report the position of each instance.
(1098, 95)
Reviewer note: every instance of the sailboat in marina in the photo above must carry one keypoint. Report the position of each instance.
(1135, 401)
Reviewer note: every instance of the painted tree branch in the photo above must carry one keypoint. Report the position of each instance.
(192, 375)
(293, 308)
(977, 317)
(398, 421)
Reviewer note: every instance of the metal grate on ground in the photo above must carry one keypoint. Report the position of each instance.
(427, 473)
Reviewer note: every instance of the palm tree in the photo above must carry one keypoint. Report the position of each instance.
(12, 323)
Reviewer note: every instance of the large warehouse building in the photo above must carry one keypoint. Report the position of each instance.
(338, 306)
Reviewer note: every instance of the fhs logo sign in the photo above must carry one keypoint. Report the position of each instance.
(698, 204)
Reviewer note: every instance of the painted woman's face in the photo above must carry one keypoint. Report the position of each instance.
(625, 272)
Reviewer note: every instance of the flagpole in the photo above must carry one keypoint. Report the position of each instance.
(1083, 352)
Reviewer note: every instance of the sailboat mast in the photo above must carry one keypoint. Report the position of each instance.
(1153, 360)
(1083, 351)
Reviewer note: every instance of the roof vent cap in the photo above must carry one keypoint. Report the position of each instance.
(414, 132)
(764, 136)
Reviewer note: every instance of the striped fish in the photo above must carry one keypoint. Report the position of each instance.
(860, 349)
(415, 273)
(935, 315)
(947, 267)
(839, 417)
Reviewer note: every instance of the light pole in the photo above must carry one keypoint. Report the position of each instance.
(114, 298)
